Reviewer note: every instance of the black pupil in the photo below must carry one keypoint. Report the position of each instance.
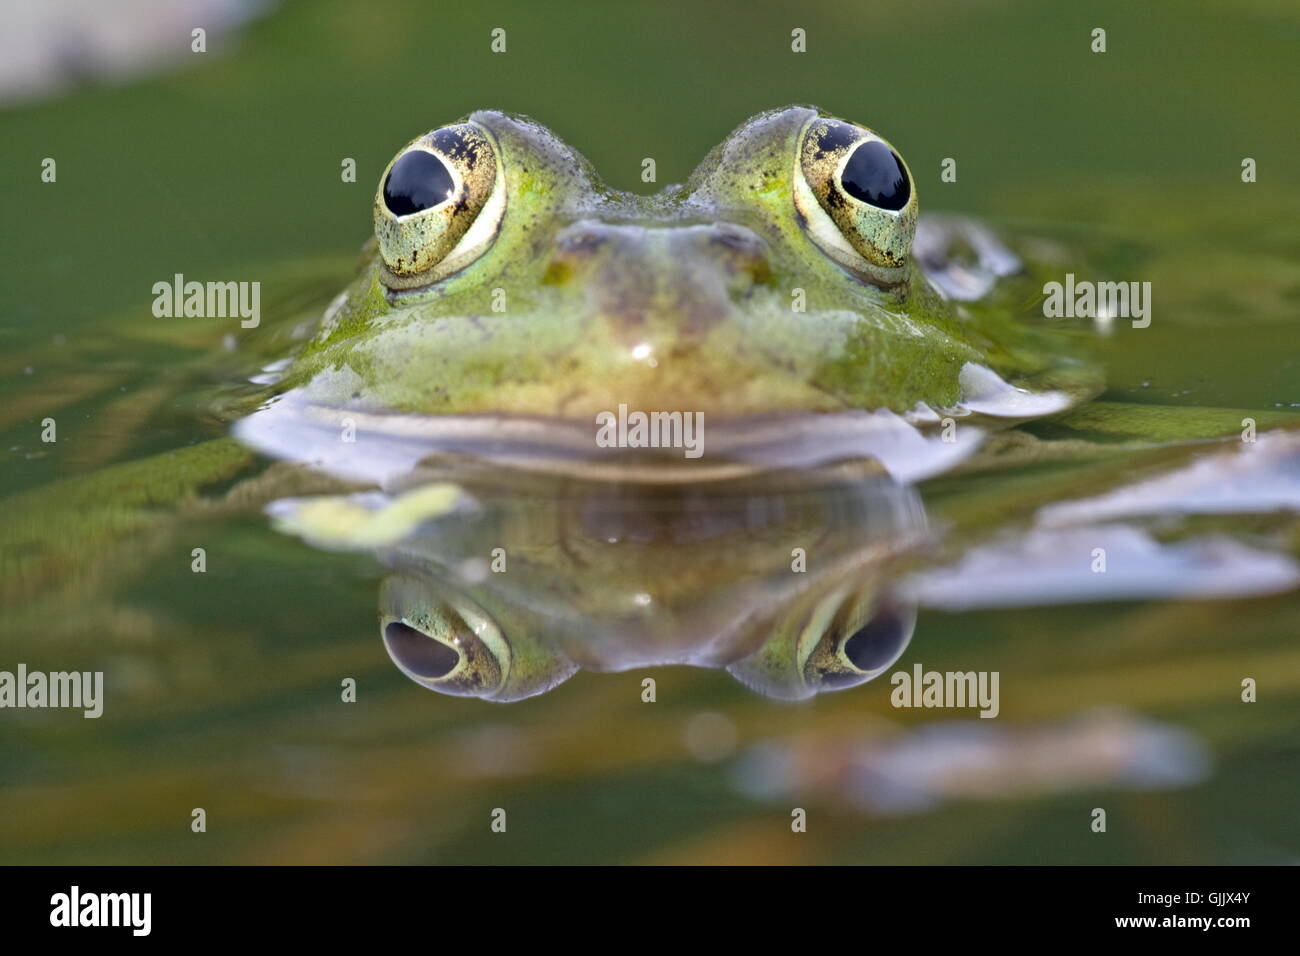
(418, 652)
(874, 174)
(418, 180)
(878, 642)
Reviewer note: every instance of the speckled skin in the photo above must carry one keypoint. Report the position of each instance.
(415, 249)
(883, 237)
(681, 300)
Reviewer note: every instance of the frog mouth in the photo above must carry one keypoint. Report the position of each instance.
(388, 448)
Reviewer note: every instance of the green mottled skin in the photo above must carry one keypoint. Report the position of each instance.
(656, 273)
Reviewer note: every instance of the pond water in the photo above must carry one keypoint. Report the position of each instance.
(224, 689)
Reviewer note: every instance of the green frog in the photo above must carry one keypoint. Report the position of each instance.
(687, 426)
(507, 282)
(513, 302)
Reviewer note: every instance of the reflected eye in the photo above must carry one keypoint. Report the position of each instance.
(418, 653)
(857, 199)
(852, 651)
(848, 637)
(879, 642)
(446, 642)
(439, 206)
(449, 649)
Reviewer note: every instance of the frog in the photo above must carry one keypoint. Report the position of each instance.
(512, 301)
(760, 297)
(776, 282)
(839, 349)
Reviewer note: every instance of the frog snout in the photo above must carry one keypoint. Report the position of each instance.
(730, 247)
(676, 281)
(681, 316)
(740, 252)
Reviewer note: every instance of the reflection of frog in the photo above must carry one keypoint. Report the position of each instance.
(781, 579)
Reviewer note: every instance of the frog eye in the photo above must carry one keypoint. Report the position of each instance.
(438, 206)
(449, 649)
(857, 199)
(848, 638)
(850, 655)
(447, 643)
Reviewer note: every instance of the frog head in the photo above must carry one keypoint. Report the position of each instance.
(506, 279)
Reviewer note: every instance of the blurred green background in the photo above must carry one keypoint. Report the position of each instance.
(225, 162)
(235, 157)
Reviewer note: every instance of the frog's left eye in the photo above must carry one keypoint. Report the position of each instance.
(856, 198)
(438, 207)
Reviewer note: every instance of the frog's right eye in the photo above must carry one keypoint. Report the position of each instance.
(438, 206)
(447, 643)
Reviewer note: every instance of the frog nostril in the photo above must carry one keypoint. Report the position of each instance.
(736, 239)
(741, 251)
(419, 653)
(582, 238)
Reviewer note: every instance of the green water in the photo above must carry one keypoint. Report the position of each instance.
(225, 686)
